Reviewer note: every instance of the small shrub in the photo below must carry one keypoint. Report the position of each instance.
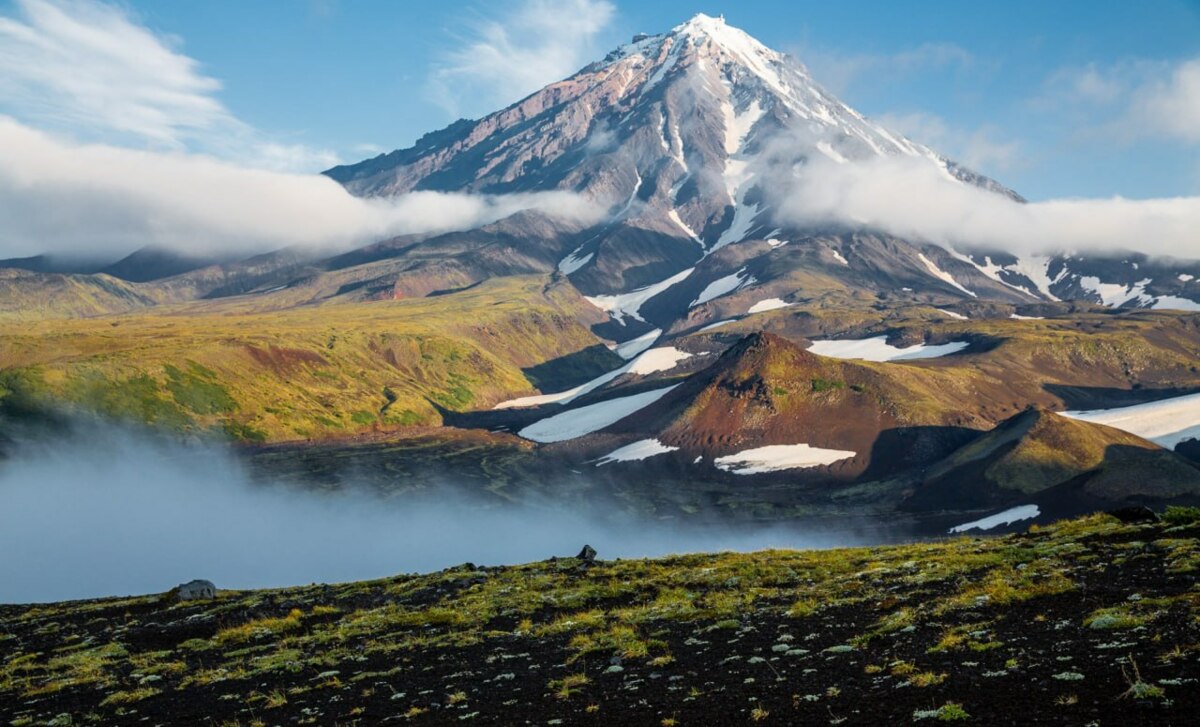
(129, 697)
(926, 679)
(821, 385)
(568, 685)
(1139, 689)
(1114, 618)
(948, 712)
(1180, 515)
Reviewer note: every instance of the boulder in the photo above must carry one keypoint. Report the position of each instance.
(196, 590)
(587, 555)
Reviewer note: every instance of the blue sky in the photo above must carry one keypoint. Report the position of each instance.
(187, 105)
(1063, 98)
(991, 83)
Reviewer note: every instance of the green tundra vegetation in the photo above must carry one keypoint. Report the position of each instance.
(334, 369)
(304, 372)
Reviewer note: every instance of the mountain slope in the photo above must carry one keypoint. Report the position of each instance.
(680, 135)
(308, 372)
(767, 391)
(1038, 450)
(685, 137)
(27, 295)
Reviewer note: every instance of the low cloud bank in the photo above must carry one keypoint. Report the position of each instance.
(112, 512)
(913, 198)
(94, 199)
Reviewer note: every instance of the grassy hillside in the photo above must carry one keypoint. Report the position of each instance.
(1078, 359)
(1036, 450)
(1081, 621)
(273, 368)
(304, 372)
(28, 296)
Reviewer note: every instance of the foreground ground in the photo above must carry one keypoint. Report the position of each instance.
(1086, 622)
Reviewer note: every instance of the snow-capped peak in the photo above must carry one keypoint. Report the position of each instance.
(734, 40)
(754, 74)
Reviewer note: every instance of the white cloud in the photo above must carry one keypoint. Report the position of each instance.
(912, 198)
(1132, 99)
(76, 198)
(91, 69)
(1172, 105)
(505, 59)
(88, 63)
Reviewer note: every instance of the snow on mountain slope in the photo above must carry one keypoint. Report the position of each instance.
(1166, 422)
(678, 135)
(878, 349)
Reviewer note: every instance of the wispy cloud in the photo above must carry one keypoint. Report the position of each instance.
(914, 199)
(67, 197)
(1131, 100)
(982, 148)
(92, 69)
(504, 58)
(1171, 105)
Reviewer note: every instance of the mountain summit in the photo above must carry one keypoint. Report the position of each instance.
(678, 135)
(689, 139)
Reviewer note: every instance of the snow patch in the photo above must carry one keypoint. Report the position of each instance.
(636, 452)
(738, 125)
(1166, 422)
(571, 262)
(723, 286)
(952, 314)
(591, 418)
(629, 304)
(1174, 302)
(1011, 515)
(655, 360)
(650, 362)
(840, 258)
(663, 69)
(634, 346)
(1037, 269)
(1019, 317)
(779, 457)
(992, 270)
(878, 349)
(769, 304)
(741, 47)
(674, 215)
(942, 275)
(1115, 295)
(743, 222)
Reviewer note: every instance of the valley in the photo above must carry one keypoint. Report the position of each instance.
(861, 434)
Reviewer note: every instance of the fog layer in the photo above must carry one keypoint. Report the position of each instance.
(113, 512)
